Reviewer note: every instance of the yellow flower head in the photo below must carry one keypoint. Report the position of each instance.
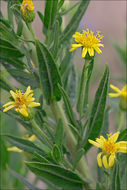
(122, 93)
(88, 41)
(109, 149)
(16, 149)
(21, 101)
(27, 5)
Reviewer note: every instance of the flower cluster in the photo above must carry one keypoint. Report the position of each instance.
(88, 41)
(109, 149)
(21, 101)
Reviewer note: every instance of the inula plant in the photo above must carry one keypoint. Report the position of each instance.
(50, 122)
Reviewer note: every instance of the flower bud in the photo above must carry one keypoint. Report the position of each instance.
(27, 11)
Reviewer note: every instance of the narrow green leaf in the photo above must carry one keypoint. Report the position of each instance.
(25, 181)
(56, 39)
(123, 135)
(74, 22)
(97, 113)
(60, 4)
(4, 84)
(40, 16)
(41, 158)
(19, 28)
(50, 13)
(68, 107)
(59, 133)
(78, 156)
(57, 175)
(116, 178)
(9, 50)
(23, 144)
(56, 154)
(71, 86)
(69, 9)
(23, 77)
(49, 76)
(13, 61)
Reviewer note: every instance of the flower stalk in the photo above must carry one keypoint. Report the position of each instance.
(83, 87)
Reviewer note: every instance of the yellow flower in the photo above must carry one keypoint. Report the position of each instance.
(109, 149)
(21, 101)
(15, 149)
(27, 5)
(88, 41)
(122, 93)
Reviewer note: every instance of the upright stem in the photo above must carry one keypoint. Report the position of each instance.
(36, 127)
(83, 87)
(71, 142)
(28, 35)
(121, 120)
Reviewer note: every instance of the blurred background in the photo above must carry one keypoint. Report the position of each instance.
(109, 17)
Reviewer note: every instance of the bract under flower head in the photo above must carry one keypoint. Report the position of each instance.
(21, 101)
(88, 41)
(109, 149)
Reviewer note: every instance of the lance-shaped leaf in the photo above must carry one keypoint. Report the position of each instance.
(57, 175)
(74, 22)
(9, 50)
(49, 76)
(97, 113)
(50, 13)
(24, 144)
(68, 107)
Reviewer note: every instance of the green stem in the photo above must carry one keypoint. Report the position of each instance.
(121, 120)
(28, 35)
(71, 142)
(83, 87)
(36, 127)
(107, 182)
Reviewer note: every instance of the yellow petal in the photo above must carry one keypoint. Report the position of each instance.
(14, 149)
(111, 160)
(32, 138)
(84, 52)
(121, 144)
(95, 143)
(99, 161)
(113, 95)
(91, 51)
(105, 163)
(114, 137)
(122, 149)
(115, 88)
(34, 104)
(76, 45)
(97, 49)
(72, 49)
(8, 108)
(5, 105)
(100, 141)
(23, 111)
(13, 94)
